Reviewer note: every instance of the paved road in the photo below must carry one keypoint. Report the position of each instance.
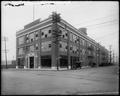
(84, 81)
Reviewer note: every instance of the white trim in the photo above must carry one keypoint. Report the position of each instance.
(25, 67)
(53, 67)
(16, 67)
(39, 67)
(42, 22)
(33, 30)
(69, 67)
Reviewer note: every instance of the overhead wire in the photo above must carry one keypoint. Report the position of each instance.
(97, 19)
(102, 23)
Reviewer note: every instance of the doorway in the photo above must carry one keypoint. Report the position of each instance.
(31, 59)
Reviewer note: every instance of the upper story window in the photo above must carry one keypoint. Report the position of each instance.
(49, 31)
(36, 46)
(31, 48)
(27, 48)
(21, 40)
(49, 45)
(36, 35)
(27, 38)
(71, 36)
(42, 33)
(46, 46)
(63, 33)
(63, 46)
(46, 32)
(60, 45)
(31, 37)
(66, 34)
(45, 35)
(20, 51)
(83, 42)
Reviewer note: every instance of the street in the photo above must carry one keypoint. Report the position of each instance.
(101, 80)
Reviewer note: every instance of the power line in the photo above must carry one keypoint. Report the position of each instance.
(103, 26)
(101, 23)
(97, 19)
(106, 35)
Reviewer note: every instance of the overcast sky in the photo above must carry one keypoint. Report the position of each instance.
(101, 18)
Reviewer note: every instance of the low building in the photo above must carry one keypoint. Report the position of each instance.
(54, 43)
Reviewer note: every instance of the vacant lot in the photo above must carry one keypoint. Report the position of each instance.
(83, 81)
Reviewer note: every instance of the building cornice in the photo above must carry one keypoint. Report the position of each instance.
(42, 22)
(77, 32)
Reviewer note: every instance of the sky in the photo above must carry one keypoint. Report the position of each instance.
(101, 18)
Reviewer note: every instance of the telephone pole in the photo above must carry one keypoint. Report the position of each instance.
(110, 53)
(5, 39)
(113, 57)
(56, 34)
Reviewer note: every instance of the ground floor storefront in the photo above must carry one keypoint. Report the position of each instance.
(45, 61)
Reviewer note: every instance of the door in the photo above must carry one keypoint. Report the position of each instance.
(31, 62)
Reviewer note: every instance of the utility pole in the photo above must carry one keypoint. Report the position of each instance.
(56, 34)
(5, 39)
(110, 53)
(113, 57)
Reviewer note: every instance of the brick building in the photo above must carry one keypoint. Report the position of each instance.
(54, 43)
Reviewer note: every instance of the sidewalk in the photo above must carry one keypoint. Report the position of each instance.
(45, 69)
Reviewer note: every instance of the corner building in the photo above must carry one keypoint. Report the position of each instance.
(35, 47)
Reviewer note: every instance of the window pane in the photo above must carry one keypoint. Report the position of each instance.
(31, 48)
(20, 51)
(21, 40)
(31, 36)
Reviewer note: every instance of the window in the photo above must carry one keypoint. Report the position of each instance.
(63, 36)
(77, 50)
(70, 48)
(46, 35)
(45, 46)
(21, 40)
(27, 38)
(31, 48)
(49, 31)
(49, 45)
(36, 46)
(66, 34)
(27, 48)
(66, 47)
(73, 51)
(75, 41)
(60, 45)
(31, 36)
(42, 33)
(36, 35)
(31, 40)
(20, 51)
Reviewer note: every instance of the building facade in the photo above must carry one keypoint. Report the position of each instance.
(54, 43)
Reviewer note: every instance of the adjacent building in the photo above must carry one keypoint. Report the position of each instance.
(54, 43)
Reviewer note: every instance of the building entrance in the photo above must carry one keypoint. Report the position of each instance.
(31, 62)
